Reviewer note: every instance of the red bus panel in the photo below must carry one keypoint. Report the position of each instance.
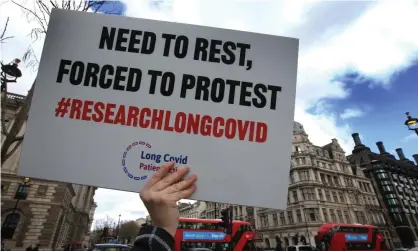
(348, 237)
(203, 233)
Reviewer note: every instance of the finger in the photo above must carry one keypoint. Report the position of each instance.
(185, 193)
(171, 178)
(182, 185)
(159, 175)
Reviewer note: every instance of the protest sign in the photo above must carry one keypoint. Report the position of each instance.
(117, 97)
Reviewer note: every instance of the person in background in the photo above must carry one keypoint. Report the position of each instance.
(160, 196)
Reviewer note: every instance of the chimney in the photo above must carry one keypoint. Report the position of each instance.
(400, 153)
(415, 156)
(381, 147)
(357, 140)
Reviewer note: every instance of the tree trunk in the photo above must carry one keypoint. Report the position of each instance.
(12, 139)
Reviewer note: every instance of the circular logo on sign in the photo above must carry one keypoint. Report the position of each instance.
(133, 161)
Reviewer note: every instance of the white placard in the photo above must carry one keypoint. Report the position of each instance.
(116, 97)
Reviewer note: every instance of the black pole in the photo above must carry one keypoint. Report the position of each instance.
(117, 230)
(216, 213)
(231, 227)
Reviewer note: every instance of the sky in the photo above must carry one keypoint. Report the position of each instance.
(357, 70)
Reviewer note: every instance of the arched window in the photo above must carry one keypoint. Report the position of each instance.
(295, 239)
(9, 226)
(267, 242)
(303, 240)
(286, 241)
(278, 240)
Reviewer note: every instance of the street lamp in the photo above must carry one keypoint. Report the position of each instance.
(411, 123)
(117, 230)
(9, 73)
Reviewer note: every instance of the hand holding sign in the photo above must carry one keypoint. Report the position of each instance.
(161, 194)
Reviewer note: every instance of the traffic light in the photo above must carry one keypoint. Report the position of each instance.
(226, 220)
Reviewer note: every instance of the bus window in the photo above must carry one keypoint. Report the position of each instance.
(291, 248)
(249, 245)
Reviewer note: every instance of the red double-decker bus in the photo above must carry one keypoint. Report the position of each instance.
(205, 233)
(344, 237)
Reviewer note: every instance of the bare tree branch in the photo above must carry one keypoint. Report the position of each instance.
(3, 38)
(15, 147)
(5, 28)
(39, 12)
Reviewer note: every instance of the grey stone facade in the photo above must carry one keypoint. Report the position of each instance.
(54, 213)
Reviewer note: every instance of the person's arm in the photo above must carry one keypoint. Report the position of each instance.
(153, 238)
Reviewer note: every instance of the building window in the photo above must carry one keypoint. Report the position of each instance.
(357, 199)
(316, 175)
(329, 180)
(361, 218)
(333, 216)
(264, 220)
(328, 195)
(311, 193)
(347, 216)
(340, 216)
(282, 219)
(275, 220)
(41, 191)
(341, 197)
(323, 178)
(351, 196)
(290, 217)
(304, 175)
(334, 195)
(361, 186)
(393, 202)
(388, 188)
(325, 214)
(311, 213)
(336, 181)
(320, 194)
(298, 215)
(295, 196)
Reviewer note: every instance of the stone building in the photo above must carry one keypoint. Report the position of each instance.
(244, 213)
(87, 237)
(323, 188)
(396, 183)
(192, 210)
(53, 214)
